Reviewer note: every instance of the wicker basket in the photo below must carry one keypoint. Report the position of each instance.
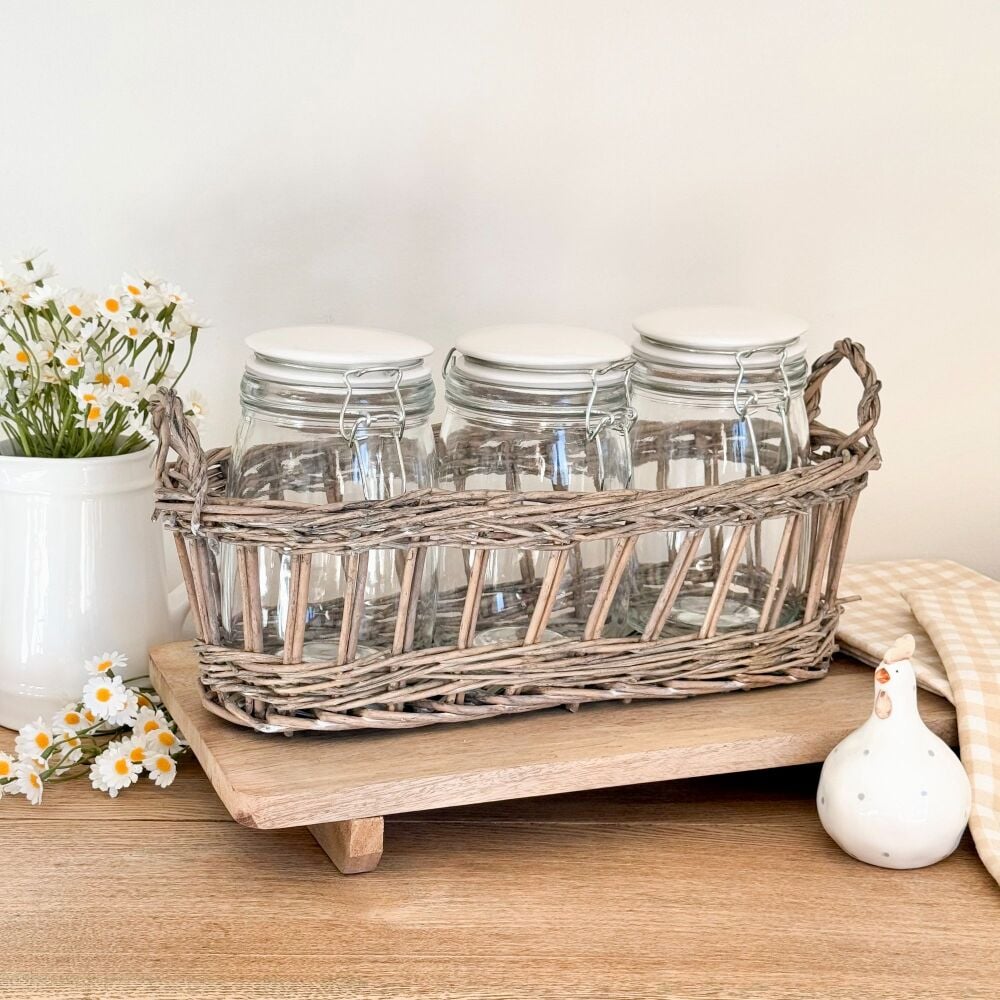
(274, 691)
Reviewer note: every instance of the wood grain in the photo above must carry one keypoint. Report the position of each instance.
(721, 887)
(274, 781)
(353, 845)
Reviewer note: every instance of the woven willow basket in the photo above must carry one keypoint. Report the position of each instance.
(261, 682)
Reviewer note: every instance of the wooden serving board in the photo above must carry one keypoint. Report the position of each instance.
(341, 786)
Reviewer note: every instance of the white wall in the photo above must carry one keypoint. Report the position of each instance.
(433, 166)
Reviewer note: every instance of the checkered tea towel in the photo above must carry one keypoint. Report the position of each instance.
(953, 614)
(870, 626)
(964, 625)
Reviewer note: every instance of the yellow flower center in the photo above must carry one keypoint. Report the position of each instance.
(74, 310)
(102, 378)
(89, 716)
(163, 764)
(33, 778)
(73, 361)
(104, 664)
(22, 357)
(166, 738)
(133, 290)
(42, 741)
(103, 694)
(151, 726)
(124, 381)
(4, 768)
(71, 718)
(144, 702)
(133, 331)
(137, 755)
(94, 413)
(112, 305)
(121, 765)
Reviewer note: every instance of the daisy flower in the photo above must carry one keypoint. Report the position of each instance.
(163, 741)
(69, 719)
(110, 306)
(197, 407)
(172, 295)
(93, 415)
(126, 384)
(162, 769)
(33, 739)
(135, 749)
(148, 721)
(112, 770)
(126, 717)
(28, 257)
(16, 358)
(130, 326)
(28, 781)
(114, 661)
(87, 395)
(192, 319)
(39, 296)
(78, 306)
(6, 769)
(71, 356)
(105, 696)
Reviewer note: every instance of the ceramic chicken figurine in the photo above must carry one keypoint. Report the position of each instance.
(892, 793)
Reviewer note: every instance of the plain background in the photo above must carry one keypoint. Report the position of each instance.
(437, 165)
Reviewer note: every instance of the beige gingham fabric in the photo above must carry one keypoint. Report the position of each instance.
(953, 614)
(870, 626)
(964, 625)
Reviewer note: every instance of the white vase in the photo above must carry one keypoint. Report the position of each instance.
(82, 572)
(892, 793)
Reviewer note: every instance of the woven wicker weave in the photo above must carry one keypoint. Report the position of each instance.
(405, 687)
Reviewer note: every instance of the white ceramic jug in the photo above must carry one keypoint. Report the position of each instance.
(82, 572)
(892, 793)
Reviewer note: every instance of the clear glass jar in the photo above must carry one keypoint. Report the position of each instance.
(533, 408)
(332, 414)
(718, 394)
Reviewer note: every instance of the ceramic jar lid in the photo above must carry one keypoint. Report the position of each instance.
(539, 355)
(322, 355)
(712, 337)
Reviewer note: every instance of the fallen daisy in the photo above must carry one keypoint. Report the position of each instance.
(114, 735)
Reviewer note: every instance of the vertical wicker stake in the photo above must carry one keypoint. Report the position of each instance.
(206, 584)
(470, 610)
(298, 608)
(617, 564)
(248, 568)
(354, 605)
(839, 552)
(672, 585)
(821, 553)
(547, 594)
(785, 563)
(734, 551)
(194, 596)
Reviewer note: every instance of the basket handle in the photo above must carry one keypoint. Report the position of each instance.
(869, 407)
(176, 432)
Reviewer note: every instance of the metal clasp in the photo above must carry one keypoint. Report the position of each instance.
(777, 403)
(394, 421)
(622, 420)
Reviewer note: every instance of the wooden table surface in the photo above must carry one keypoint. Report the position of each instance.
(710, 887)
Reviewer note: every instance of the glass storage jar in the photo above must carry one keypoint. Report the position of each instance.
(332, 414)
(718, 394)
(529, 408)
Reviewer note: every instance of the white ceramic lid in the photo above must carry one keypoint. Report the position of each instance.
(320, 355)
(712, 336)
(538, 355)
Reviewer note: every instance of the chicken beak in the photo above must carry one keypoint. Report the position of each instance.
(882, 675)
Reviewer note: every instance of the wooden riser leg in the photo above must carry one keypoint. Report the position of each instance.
(353, 845)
